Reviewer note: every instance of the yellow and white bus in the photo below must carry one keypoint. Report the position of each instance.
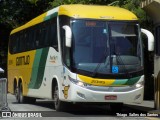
(78, 53)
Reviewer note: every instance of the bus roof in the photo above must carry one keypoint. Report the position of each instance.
(82, 11)
(96, 12)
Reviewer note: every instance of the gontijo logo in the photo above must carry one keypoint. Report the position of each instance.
(23, 60)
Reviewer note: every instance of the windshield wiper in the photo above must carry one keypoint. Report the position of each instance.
(119, 60)
(99, 64)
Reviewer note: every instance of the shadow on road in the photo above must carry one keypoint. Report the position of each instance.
(75, 110)
(91, 110)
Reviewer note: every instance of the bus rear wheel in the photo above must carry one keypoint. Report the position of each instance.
(20, 98)
(19, 95)
(23, 99)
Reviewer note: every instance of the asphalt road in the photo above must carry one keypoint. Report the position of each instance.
(44, 110)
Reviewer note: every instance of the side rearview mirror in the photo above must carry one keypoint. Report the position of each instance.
(150, 39)
(68, 35)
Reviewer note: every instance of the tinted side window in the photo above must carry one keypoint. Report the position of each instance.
(36, 37)
(53, 34)
(22, 42)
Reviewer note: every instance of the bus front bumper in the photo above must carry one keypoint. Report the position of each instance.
(82, 94)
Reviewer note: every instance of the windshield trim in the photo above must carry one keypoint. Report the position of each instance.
(111, 75)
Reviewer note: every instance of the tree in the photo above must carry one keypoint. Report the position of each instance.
(134, 6)
(18, 12)
(56, 3)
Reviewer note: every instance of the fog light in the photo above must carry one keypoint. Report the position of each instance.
(81, 95)
(137, 96)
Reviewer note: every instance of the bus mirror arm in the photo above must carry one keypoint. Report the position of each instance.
(68, 35)
(150, 39)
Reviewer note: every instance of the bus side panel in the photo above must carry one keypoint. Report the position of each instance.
(20, 67)
(50, 66)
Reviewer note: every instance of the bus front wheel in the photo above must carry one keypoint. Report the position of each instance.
(58, 104)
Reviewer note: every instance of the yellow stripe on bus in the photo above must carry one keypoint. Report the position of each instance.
(96, 81)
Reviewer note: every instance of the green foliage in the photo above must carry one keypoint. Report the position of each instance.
(56, 3)
(134, 6)
(18, 12)
(98, 2)
(33, 1)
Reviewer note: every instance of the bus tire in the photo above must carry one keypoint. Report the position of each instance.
(20, 97)
(58, 104)
(116, 107)
(16, 93)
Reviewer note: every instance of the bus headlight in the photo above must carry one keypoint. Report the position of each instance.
(139, 84)
(77, 82)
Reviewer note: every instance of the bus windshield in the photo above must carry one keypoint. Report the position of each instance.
(106, 47)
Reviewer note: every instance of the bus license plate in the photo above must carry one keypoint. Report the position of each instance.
(111, 97)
